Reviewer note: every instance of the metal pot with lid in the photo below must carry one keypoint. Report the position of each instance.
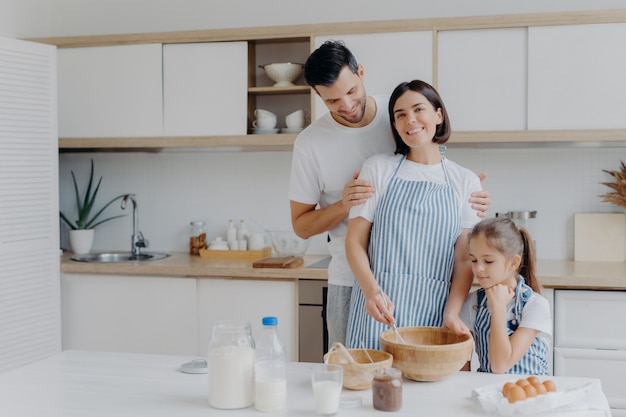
(519, 217)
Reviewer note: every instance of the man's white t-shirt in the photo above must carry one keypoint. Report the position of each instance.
(325, 157)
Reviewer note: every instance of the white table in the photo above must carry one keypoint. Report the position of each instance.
(86, 384)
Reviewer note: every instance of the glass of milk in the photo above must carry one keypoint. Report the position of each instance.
(327, 381)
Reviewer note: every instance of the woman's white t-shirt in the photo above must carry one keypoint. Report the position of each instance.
(379, 170)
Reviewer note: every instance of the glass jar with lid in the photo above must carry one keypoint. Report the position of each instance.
(387, 390)
(197, 237)
(230, 365)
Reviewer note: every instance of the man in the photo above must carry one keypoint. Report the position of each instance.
(327, 157)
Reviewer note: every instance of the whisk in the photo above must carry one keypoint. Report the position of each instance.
(393, 326)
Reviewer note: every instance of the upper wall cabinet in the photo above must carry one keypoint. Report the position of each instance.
(482, 78)
(504, 79)
(387, 59)
(204, 87)
(110, 91)
(576, 77)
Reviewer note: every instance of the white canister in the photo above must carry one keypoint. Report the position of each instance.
(256, 241)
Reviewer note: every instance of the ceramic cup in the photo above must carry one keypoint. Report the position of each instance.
(264, 119)
(264, 122)
(327, 381)
(296, 119)
(263, 113)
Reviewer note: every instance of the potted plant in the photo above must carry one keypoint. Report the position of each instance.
(618, 195)
(82, 229)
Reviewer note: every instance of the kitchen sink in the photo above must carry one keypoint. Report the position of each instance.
(118, 257)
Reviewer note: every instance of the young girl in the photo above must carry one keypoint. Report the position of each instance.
(508, 317)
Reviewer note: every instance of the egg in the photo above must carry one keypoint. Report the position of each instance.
(550, 386)
(540, 388)
(530, 391)
(506, 388)
(522, 382)
(516, 393)
(533, 380)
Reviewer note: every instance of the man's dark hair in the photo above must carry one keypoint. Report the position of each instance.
(326, 62)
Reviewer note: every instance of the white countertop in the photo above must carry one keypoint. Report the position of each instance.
(86, 384)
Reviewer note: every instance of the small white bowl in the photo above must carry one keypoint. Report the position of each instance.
(283, 73)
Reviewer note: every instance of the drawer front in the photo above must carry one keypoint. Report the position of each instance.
(607, 365)
(590, 319)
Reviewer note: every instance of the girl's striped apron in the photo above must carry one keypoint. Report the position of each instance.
(534, 362)
(411, 253)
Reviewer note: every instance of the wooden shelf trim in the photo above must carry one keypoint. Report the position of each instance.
(306, 31)
(296, 89)
(539, 136)
(284, 141)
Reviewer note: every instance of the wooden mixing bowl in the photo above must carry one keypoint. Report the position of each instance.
(359, 375)
(431, 353)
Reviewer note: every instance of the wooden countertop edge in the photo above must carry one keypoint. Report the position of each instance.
(185, 265)
(557, 274)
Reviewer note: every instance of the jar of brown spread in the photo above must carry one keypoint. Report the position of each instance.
(387, 390)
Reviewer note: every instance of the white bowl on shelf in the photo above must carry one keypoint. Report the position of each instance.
(283, 73)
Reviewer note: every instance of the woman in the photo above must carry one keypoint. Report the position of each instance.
(409, 241)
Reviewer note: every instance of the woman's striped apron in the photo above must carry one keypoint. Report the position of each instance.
(411, 253)
(534, 362)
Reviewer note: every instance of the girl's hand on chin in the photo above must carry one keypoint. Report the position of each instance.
(499, 295)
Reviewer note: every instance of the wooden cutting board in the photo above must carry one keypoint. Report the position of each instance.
(279, 262)
(600, 237)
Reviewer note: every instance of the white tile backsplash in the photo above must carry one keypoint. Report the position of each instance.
(174, 188)
(557, 182)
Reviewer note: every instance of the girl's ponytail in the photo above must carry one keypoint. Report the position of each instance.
(528, 264)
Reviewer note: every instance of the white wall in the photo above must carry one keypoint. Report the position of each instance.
(176, 187)
(24, 18)
(78, 17)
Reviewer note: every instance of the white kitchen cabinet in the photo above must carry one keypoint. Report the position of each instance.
(549, 294)
(205, 88)
(388, 59)
(576, 76)
(590, 339)
(608, 365)
(249, 300)
(169, 315)
(129, 314)
(110, 91)
(482, 78)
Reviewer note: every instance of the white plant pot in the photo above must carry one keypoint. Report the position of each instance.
(81, 240)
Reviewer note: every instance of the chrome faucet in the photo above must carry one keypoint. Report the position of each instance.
(137, 239)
